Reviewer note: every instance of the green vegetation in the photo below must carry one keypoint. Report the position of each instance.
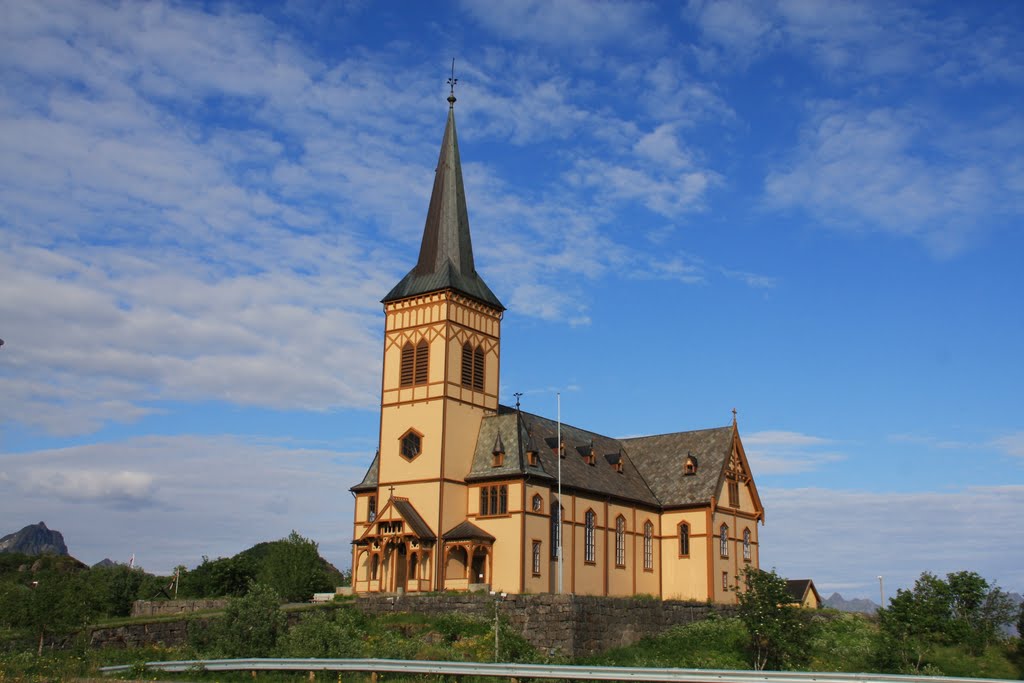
(291, 566)
(962, 611)
(779, 633)
(945, 626)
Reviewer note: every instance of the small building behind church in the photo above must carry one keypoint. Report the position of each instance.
(463, 492)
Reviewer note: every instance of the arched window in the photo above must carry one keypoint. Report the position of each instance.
(415, 361)
(556, 518)
(537, 503)
(648, 546)
(483, 500)
(588, 542)
(746, 545)
(536, 558)
(494, 500)
(620, 541)
(723, 541)
(502, 500)
(684, 540)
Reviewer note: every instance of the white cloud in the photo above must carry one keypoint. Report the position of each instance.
(570, 22)
(170, 500)
(844, 539)
(895, 172)
(71, 485)
(856, 40)
(1011, 444)
(786, 452)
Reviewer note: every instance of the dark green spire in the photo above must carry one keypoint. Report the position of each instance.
(446, 253)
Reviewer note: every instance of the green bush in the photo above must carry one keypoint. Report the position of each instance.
(842, 642)
(336, 635)
(250, 627)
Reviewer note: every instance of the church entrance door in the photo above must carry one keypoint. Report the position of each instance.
(479, 571)
(401, 567)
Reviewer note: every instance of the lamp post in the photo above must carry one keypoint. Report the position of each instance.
(881, 592)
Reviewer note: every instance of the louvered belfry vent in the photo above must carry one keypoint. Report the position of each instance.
(467, 365)
(422, 358)
(478, 369)
(408, 358)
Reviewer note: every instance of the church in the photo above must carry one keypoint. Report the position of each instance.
(468, 494)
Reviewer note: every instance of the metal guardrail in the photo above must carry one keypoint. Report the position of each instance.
(521, 671)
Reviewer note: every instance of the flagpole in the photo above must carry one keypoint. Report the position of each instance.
(561, 522)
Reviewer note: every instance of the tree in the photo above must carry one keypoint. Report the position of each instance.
(251, 625)
(223, 577)
(53, 602)
(293, 568)
(779, 632)
(962, 609)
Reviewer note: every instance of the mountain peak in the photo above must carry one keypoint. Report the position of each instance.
(35, 539)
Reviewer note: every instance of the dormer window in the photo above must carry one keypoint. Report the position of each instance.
(532, 458)
(498, 452)
(616, 461)
(552, 443)
(588, 454)
(690, 466)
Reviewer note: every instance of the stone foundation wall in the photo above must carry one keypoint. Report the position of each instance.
(572, 625)
(160, 608)
(167, 633)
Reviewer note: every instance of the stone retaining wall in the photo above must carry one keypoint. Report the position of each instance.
(572, 625)
(160, 608)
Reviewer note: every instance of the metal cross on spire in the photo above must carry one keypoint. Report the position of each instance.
(451, 86)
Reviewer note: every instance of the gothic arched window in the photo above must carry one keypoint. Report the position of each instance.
(620, 541)
(648, 546)
(588, 544)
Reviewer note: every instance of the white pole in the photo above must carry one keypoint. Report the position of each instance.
(558, 453)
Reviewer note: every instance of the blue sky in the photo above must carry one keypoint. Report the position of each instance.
(807, 211)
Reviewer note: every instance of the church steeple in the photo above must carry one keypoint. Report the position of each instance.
(446, 252)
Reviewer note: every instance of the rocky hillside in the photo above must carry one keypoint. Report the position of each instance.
(35, 539)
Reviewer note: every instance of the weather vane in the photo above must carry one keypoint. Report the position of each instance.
(451, 84)
(518, 395)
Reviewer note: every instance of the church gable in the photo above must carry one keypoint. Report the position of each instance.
(736, 484)
(398, 517)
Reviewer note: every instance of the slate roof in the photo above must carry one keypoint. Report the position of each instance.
(660, 460)
(369, 482)
(446, 252)
(652, 466)
(467, 531)
(409, 514)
